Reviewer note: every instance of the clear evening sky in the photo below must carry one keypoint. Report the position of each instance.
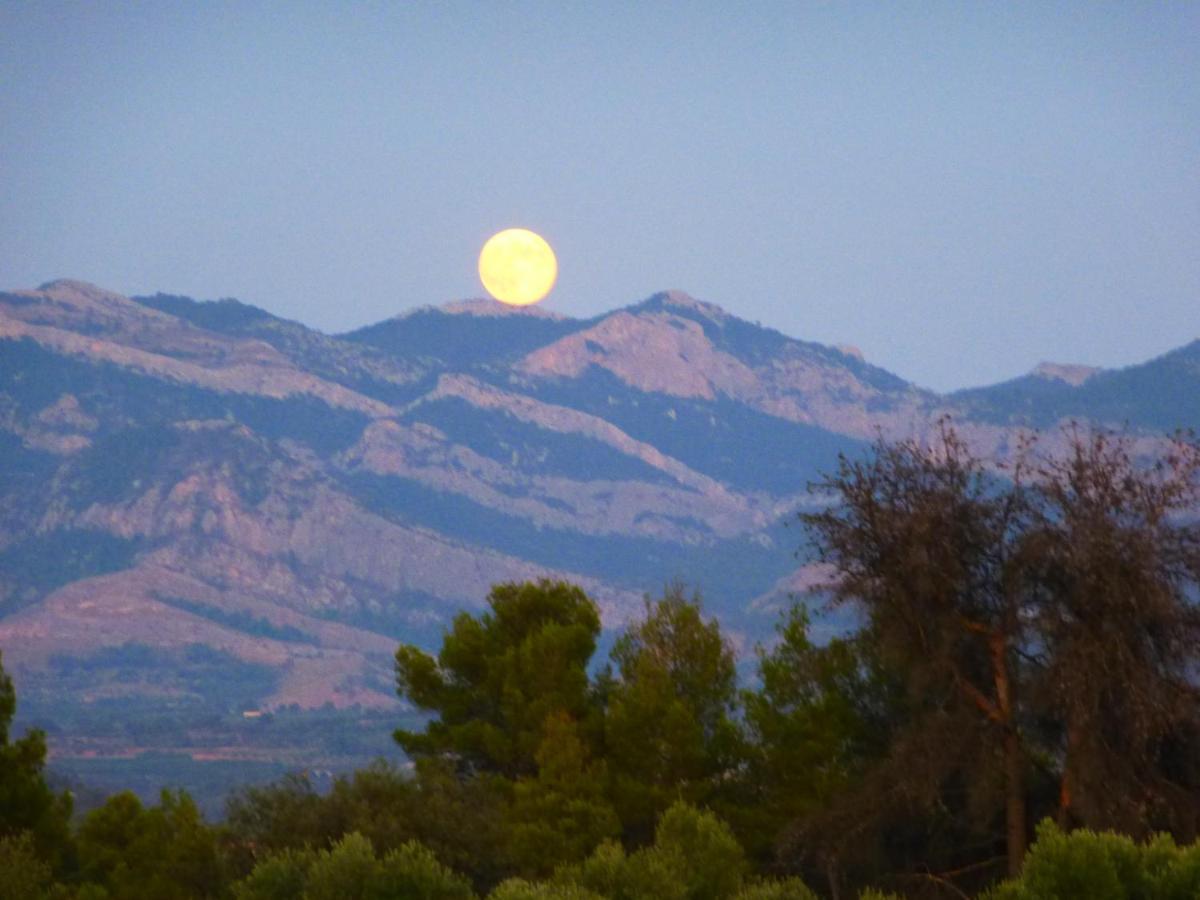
(961, 189)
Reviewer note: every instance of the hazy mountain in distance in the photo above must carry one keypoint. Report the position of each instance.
(1159, 395)
(194, 490)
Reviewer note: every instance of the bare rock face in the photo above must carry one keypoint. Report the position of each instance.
(851, 351)
(290, 549)
(81, 321)
(493, 308)
(205, 481)
(658, 352)
(1068, 374)
(682, 347)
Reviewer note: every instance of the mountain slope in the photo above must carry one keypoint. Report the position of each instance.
(192, 487)
(1159, 395)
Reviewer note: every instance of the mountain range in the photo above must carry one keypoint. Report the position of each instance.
(203, 502)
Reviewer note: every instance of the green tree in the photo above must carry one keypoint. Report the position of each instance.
(648, 874)
(670, 718)
(782, 889)
(166, 851)
(279, 876)
(412, 871)
(388, 807)
(1103, 866)
(23, 874)
(463, 820)
(351, 870)
(380, 801)
(27, 805)
(498, 677)
(695, 856)
(285, 814)
(820, 719)
(560, 815)
(819, 716)
(713, 862)
(520, 889)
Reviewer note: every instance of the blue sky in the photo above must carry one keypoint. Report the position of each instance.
(961, 190)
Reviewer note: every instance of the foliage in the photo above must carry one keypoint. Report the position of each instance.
(23, 874)
(520, 889)
(1103, 866)
(694, 857)
(923, 541)
(27, 805)
(562, 813)
(1041, 621)
(785, 889)
(281, 876)
(713, 863)
(351, 870)
(611, 872)
(462, 820)
(380, 802)
(274, 817)
(670, 714)
(820, 716)
(498, 677)
(166, 851)
(386, 806)
(1112, 561)
(413, 871)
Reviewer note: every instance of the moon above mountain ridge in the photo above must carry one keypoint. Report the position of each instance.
(517, 267)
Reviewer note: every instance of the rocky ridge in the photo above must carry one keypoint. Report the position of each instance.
(181, 474)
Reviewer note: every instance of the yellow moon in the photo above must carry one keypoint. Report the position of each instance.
(517, 267)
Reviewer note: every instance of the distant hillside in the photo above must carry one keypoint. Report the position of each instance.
(1158, 395)
(198, 487)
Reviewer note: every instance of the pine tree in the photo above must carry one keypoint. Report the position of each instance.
(27, 804)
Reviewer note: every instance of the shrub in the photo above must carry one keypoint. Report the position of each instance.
(1103, 866)
(520, 889)
(786, 889)
(350, 870)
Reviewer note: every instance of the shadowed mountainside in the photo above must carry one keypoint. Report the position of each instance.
(203, 481)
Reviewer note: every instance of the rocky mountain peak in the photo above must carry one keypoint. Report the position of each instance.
(851, 351)
(73, 284)
(479, 306)
(82, 297)
(681, 302)
(84, 309)
(1074, 375)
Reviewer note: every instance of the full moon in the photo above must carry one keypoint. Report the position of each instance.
(517, 267)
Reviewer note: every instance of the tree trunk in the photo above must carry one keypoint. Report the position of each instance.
(1014, 758)
(1063, 817)
(1014, 807)
(1066, 785)
(831, 875)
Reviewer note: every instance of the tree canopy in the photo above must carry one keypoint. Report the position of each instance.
(499, 676)
(27, 804)
(1041, 617)
(670, 711)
